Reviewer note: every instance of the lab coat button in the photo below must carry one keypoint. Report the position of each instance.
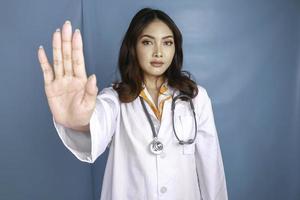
(163, 189)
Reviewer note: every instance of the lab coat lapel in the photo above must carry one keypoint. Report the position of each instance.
(166, 127)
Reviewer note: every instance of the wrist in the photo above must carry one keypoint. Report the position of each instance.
(85, 128)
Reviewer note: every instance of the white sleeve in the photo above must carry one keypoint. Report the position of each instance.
(209, 162)
(87, 147)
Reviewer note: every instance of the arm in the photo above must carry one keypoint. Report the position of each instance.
(209, 162)
(88, 146)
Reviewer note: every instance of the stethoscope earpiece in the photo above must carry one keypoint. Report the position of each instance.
(181, 142)
(190, 141)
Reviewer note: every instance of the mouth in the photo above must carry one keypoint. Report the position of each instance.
(156, 63)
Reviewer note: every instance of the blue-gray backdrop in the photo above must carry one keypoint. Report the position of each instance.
(245, 53)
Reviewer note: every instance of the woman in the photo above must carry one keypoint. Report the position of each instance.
(155, 151)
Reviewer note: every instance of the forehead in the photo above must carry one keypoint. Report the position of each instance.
(157, 28)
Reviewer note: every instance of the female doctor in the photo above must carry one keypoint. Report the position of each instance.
(156, 121)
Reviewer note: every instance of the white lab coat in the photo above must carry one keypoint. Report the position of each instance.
(189, 172)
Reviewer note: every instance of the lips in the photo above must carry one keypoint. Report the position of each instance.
(156, 63)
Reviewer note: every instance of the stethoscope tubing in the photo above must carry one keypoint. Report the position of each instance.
(174, 99)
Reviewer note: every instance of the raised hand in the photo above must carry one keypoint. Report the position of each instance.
(71, 96)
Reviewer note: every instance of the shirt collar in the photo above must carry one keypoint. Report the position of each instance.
(164, 89)
(165, 93)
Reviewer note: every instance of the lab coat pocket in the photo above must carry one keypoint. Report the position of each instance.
(188, 149)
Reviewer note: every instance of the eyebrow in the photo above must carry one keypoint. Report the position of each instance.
(168, 36)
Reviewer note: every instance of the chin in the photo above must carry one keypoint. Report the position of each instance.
(157, 74)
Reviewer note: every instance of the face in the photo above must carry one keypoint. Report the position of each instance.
(155, 49)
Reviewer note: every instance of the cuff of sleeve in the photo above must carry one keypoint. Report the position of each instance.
(82, 145)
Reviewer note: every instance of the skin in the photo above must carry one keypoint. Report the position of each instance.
(156, 42)
(72, 95)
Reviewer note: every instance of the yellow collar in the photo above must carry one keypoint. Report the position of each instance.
(164, 94)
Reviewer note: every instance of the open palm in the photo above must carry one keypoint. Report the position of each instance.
(71, 95)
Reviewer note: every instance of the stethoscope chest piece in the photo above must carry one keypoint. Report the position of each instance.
(156, 147)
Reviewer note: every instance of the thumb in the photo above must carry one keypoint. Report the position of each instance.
(91, 90)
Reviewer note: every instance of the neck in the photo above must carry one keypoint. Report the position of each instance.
(153, 82)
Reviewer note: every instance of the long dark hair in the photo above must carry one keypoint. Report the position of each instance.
(130, 85)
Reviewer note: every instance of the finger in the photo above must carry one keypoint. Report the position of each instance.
(77, 55)
(67, 48)
(46, 67)
(57, 55)
(91, 91)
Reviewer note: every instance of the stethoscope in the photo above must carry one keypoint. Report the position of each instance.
(156, 146)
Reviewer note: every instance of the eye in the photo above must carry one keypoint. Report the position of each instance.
(146, 42)
(169, 43)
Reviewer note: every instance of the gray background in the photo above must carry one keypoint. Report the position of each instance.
(245, 53)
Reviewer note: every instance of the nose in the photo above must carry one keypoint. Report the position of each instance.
(157, 51)
(157, 55)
